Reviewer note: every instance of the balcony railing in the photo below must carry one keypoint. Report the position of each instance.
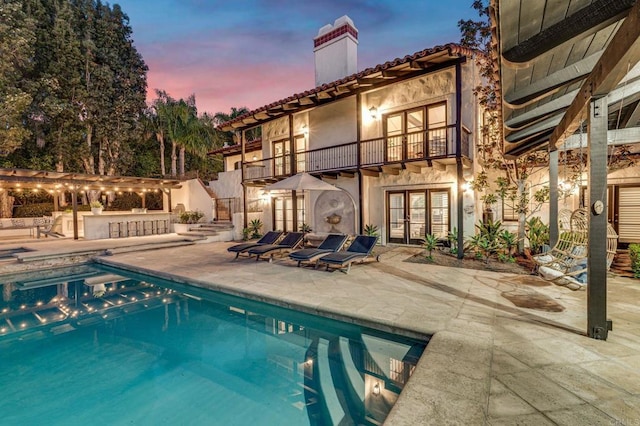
(430, 144)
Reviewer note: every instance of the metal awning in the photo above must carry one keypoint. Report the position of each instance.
(552, 55)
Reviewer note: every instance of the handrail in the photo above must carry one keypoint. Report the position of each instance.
(423, 145)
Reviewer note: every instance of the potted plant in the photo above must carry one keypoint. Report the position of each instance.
(96, 207)
(186, 219)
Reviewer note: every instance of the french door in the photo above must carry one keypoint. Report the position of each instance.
(283, 213)
(413, 214)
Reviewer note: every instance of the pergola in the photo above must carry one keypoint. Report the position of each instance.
(74, 183)
(562, 63)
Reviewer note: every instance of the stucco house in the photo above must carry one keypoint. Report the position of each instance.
(397, 138)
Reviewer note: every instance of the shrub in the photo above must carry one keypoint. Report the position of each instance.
(33, 210)
(254, 226)
(452, 237)
(96, 204)
(537, 233)
(126, 202)
(509, 241)
(429, 243)
(634, 253)
(305, 228)
(190, 217)
(371, 230)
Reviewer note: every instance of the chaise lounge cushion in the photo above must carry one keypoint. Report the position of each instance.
(359, 249)
(290, 241)
(269, 238)
(331, 244)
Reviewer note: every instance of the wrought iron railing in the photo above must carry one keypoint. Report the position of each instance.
(226, 207)
(416, 146)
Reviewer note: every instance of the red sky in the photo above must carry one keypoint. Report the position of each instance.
(254, 52)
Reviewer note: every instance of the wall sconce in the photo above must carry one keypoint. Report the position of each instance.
(376, 389)
(305, 130)
(374, 112)
(466, 187)
(265, 196)
(254, 158)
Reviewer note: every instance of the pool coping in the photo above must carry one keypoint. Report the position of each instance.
(422, 399)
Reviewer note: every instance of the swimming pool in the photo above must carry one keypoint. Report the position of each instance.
(88, 344)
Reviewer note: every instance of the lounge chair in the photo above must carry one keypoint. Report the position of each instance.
(269, 238)
(358, 250)
(54, 229)
(331, 244)
(289, 242)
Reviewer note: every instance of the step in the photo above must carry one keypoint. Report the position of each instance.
(152, 246)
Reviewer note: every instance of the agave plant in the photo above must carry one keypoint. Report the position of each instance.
(371, 230)
(429, 243)
(254, 226)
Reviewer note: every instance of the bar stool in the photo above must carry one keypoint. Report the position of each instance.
(147, 227)
(115, 230)
(160, 226)
(133, 228)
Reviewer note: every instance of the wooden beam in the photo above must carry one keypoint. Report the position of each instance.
(330, 175)
(390, 170)
(437, 166)
(370, 173)
(412, 168)
(393, 73)
(419, 65)
(347, 174)
(585, 21)
(622, 54)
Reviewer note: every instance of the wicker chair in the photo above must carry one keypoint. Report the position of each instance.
(566, 262)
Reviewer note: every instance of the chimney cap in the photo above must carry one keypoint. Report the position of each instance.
(343, 20)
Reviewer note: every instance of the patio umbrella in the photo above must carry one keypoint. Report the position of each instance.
(301, 182)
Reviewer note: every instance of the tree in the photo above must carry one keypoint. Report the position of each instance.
(233, 138)
(17, 39)
(512, 186)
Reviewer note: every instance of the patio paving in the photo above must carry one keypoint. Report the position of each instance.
(489, 361)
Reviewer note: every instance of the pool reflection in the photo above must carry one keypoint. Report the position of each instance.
(322, 371)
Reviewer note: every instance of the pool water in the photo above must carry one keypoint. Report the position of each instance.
(89, 345)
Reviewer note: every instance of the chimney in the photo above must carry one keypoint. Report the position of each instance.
(336, 51)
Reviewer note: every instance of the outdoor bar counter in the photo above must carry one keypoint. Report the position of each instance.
(125, 224)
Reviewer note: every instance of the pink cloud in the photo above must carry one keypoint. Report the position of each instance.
(220, 83)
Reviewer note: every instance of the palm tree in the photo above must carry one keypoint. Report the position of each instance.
(160, 122)
(222, 117)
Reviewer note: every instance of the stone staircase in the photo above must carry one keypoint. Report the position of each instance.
(211, 232)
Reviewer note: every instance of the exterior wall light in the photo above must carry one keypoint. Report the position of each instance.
(466, 187)
(374, 112)
(376, 389)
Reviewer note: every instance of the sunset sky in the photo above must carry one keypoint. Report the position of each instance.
(254, 52)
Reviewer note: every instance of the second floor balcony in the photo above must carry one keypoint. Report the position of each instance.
(417, 149)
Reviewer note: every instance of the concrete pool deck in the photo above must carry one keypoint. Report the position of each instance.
(489, 361)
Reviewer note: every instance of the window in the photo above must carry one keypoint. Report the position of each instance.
(281, 158)
(439, 201)
(437, 119)
(509, 211)
(301, 147)
(415, 134)
(394, 132)
(405, 133)
(283, 213)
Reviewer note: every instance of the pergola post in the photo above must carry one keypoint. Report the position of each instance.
(553, 197)
(597, 324)
(74, 204)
